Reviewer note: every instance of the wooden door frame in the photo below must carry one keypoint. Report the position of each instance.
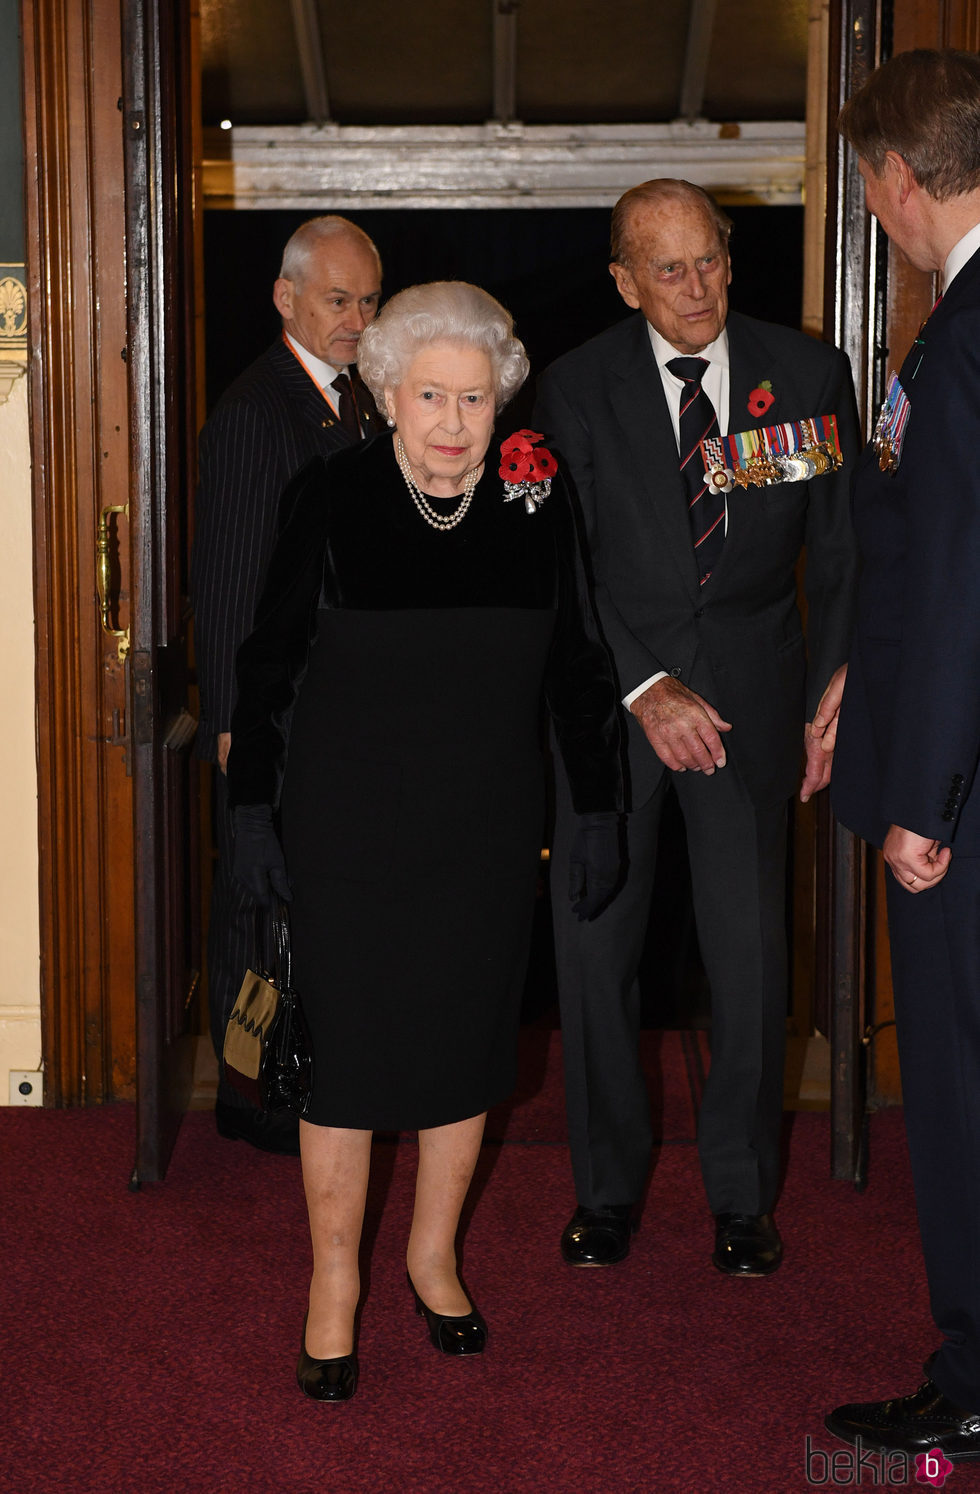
(105, 424)
(163, 430)
(855, 274)
(76, 268)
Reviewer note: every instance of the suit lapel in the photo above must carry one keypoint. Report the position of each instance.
(962, 292)
(367, 410)
(748, 367)
(749, 364)
(309, 399)
(640, 407)
(304, 393)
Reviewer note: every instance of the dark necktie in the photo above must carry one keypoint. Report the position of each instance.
(698, 420)
(346, 407)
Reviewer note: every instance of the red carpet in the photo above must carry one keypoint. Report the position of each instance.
(149, 1339)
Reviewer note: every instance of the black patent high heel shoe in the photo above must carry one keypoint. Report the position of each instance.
(464, 1335)
(326, 1379)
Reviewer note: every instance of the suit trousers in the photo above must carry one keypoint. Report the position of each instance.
(935, 948)
(737, 853)
(231, 933)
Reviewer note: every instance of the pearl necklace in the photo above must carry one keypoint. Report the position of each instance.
(431, 515)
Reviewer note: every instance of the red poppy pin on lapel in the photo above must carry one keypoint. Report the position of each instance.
(761, 398)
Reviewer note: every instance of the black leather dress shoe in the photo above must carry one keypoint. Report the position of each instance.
(598, 1237)
(463, 1335)
(270, 1131)
(326, 1379)
(921, 1422)
(747, 1244)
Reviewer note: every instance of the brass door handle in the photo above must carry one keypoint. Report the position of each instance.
(103, 576)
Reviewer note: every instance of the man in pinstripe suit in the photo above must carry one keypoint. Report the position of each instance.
(295, 402)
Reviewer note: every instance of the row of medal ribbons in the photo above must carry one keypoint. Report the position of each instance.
(791, 452)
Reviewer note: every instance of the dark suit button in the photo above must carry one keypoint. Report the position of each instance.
(675, 674)
(948, 815)
(957, 777)
(700, 612)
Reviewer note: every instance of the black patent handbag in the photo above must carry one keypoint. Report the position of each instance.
(268, 1053)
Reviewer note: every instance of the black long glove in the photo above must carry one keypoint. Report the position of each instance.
(258, 863)
(595, 864)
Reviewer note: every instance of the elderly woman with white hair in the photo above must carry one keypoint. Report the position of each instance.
(426, 591)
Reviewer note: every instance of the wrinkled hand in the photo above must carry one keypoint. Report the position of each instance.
(820, 737)
(681, 727)
(224, 747)
(595, 864)
(258, 863)
(916, 861)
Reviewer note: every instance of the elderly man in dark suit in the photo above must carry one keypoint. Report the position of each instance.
(695, 576)
(909, 736)
(300, 399)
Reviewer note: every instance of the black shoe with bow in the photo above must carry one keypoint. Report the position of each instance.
(598, 1237)
(326, 1379)
(922, 1422)
(747, 1244)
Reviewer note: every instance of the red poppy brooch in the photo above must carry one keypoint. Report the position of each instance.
(527, 469)
(761, 398)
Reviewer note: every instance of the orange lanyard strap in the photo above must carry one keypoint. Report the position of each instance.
(311, 375)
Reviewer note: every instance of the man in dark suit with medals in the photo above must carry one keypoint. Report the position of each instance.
(909, 732)
(300, 399)
(706, 450)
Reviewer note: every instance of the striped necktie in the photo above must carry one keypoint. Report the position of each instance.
(698, 419)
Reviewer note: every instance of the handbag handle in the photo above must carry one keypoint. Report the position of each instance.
(279, 916)
(273, 950)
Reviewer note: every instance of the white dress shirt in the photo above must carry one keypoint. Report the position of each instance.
(957, 257)
(323, 373)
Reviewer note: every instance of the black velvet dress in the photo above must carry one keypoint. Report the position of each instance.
(403, 668)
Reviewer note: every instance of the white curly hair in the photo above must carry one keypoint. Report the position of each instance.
(441, 311)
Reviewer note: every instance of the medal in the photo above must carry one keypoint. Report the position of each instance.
(718, 480)
(890, 426)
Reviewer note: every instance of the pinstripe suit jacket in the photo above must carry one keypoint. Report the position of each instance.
(264, 429)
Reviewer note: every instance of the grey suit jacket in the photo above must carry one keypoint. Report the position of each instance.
(738, 639)
(263, 430)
